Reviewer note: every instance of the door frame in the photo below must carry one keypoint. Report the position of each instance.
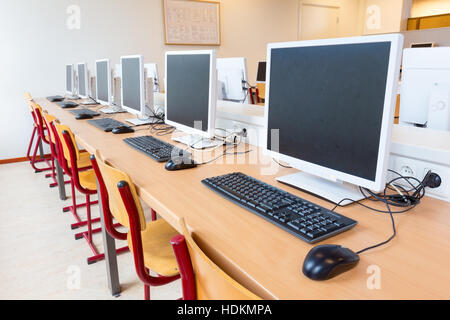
(320, 4)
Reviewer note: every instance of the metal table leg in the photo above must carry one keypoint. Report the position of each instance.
(109, 245)
(60, 179)
(41, 150)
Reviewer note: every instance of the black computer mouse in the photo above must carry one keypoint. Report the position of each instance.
(122, 130)
(84, 116)
(327, 261)
(180, 163)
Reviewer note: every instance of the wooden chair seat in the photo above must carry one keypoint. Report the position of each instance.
(158, 253)
(88, 180)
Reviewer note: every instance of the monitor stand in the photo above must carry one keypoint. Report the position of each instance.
(72, 97)
(326, 189)
(112, 109)
(198, 142)
(143, 122)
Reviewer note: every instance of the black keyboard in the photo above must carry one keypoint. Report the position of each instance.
(85, 111)
(154, 148)
(106, 124)
(55, 98)
(67, 104)
(301, 218)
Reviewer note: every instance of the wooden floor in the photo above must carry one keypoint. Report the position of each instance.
(39, 256)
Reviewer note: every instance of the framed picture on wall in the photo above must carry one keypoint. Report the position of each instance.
(191, 22)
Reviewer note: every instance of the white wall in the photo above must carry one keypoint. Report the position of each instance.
(385, 16)
(36, 44)
(421, 8)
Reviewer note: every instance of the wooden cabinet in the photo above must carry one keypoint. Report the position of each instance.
(429, 22)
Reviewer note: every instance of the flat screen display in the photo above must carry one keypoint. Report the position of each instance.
(328, 103)
(82, 90)
(188, 83)
(102, 81)
(132, 83)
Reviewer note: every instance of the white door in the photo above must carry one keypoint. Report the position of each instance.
(318, 22)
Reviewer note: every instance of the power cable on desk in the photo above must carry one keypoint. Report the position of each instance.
(405, 200)
(224, 154)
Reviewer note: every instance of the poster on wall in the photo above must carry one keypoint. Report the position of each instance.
(191, 22)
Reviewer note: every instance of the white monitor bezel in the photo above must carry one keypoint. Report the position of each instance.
(73, 79)
(239, 62)
(212, 105)
(141, 85)
(102, 102)
(86, 77)
(379, 184)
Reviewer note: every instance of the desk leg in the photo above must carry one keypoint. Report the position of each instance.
(41, 150)
(60, 179)
(109, 245)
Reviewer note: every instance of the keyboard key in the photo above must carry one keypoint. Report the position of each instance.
(305, 220)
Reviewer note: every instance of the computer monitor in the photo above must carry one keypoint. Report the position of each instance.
(191, 98)
(152, 72)
(232, 75)
(70, 79)
(261, 77)
(103, 81)
(423, 45)
(330, 111)
(425, 91)
(83, 80)
(133, 84)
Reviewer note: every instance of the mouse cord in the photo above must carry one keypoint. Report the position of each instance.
(388, 240)
(401, 199)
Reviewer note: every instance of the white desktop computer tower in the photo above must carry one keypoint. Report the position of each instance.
(425, 91)
(92, 87)
(117, 96)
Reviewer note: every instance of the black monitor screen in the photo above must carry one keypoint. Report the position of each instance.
(327, 102)
(69, 77)
(82, 91)
(262, 66)
(131, 83)
(102, 81)
(188, 89)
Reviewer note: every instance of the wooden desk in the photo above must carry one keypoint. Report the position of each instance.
(268, 260)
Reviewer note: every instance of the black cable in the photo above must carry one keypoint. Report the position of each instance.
(224, 154)
(406, 200)
(281, 165)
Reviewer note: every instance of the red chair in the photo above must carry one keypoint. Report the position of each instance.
(41, 130)
(83, 164)
(85, 182)
(149, 241)
(30, 102)
(53, 148)
(201, 278)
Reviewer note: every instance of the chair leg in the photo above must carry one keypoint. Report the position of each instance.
(30, 145)
(34, 160)
(147, 288)
(73, 208)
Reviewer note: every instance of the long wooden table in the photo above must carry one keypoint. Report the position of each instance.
(263, 257)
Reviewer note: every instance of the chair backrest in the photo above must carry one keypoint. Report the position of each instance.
(210, 282)
(103, 194)
(48, 119)
(39, 120)
(111, 177)
(60, 128)
(29, 100)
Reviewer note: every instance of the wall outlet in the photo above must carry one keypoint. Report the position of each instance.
(418, 169)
